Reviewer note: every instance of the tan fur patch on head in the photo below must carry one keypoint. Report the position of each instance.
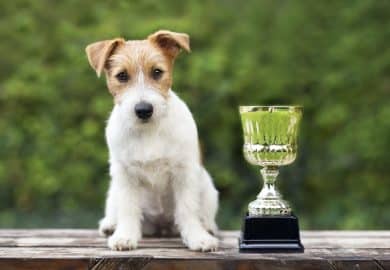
(148, 62)
(170, 42)
(98, 52)
(139, 59)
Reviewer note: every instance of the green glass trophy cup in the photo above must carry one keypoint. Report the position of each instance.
(270, 141)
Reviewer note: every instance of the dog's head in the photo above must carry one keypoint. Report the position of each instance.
(139, 72)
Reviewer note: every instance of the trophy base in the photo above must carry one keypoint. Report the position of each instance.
(262, 234)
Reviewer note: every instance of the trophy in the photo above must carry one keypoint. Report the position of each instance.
(270, 141)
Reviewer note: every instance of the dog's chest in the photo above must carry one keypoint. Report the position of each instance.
(156, 188)
(147, 148)
(153, 173)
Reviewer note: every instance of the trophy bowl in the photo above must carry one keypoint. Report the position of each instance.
(270, 141)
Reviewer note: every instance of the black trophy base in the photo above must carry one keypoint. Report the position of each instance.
(263, 234)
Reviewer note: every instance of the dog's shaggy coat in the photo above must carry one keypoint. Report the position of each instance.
(158, 184)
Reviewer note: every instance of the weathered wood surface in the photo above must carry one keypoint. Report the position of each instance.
(84, 249)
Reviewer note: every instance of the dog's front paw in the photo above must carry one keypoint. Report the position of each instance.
(122, 242)
(212, 228)
(201, 242)
(106, 227)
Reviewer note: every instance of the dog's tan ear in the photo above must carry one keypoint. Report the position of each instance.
(99, 52)
(171, 42)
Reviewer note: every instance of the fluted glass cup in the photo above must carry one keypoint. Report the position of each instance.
(270, 141)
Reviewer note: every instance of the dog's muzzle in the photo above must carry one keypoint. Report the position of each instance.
(143, 110)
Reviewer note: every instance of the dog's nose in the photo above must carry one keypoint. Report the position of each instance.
(143, 110)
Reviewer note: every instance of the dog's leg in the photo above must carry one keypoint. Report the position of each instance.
(127, 192)
(108, 223)
(209, 205)
(187, 207)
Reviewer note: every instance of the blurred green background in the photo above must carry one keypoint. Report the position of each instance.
(332, 57)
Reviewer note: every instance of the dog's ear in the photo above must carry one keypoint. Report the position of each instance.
(171, 42)
(100, 51)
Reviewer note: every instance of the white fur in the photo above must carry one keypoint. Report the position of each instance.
(158, 183)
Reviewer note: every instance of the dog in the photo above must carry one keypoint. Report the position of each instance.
(158, 183)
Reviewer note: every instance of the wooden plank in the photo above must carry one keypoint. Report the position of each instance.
(84, 249)
(236, 264)
(38, 264)
(86, 233)
(344, 234)
(229, 239)
(119, 263)
(183, 253)
(149, 263)
(81, 233)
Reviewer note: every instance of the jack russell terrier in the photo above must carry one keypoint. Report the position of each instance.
(158, 183)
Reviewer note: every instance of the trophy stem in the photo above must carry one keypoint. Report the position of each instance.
(269, 201)
(269, 190)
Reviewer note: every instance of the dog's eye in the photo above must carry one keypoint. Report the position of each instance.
(122, 76)
(157, 73)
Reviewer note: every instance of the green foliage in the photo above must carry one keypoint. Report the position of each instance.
(332, 57)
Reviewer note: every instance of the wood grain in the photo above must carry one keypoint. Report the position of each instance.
(85, 249)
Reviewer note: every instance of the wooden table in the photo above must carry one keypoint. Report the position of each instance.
(84, 249)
